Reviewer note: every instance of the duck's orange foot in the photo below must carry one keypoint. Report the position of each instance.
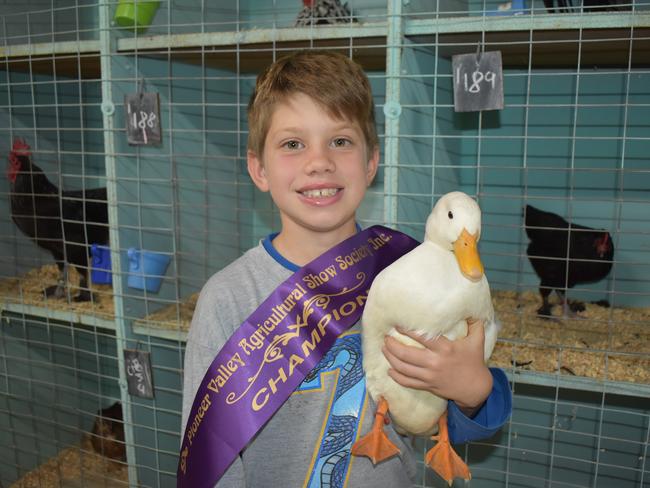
(443, 459)
(375, 444)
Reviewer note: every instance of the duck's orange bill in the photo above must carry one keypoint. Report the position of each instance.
(466, 252)
(443, 459)
(375, 444)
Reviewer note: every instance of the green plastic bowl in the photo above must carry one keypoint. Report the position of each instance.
(135, 15)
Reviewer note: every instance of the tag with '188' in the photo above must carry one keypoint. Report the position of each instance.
(142, 112)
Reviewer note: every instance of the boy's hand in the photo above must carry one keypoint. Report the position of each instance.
(454, 370)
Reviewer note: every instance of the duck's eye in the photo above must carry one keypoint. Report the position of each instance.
(450, 215)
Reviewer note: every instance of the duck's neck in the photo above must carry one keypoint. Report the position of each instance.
(436, 240)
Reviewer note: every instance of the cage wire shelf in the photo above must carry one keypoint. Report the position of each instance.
(550, 48)
(554, 38)
(71, 317)
(65, 58)
(25, 295)
(254, 57)
(531, 350)
(254, 36)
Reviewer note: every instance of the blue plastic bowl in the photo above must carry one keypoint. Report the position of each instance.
(146, 269)
(100, 271)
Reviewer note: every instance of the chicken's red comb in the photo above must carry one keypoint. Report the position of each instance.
(20, 147)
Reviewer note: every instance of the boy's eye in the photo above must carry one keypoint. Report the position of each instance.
(292, 145)
(341, 142)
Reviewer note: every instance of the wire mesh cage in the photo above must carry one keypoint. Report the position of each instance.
(154, 220)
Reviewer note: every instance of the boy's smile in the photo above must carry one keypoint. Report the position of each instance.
(320, 194)
(316, 167)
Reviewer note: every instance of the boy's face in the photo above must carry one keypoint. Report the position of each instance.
(317, 168)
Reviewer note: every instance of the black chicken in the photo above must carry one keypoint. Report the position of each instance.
(108, 433)
(64, 223)
(590, 255)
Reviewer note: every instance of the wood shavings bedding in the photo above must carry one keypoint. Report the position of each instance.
(28, 289)
(76, 466)
(601, 343)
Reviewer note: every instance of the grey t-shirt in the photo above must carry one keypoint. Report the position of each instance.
(306, 443)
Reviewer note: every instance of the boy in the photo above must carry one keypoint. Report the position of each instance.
(312, 145)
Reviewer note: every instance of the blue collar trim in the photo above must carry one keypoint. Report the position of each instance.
(273, 252)
(268, 245)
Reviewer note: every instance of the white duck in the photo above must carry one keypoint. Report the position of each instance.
(431, 290)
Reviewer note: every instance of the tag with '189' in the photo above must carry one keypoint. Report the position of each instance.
(478, 81)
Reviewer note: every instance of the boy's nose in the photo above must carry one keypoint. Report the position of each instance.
(320, 160)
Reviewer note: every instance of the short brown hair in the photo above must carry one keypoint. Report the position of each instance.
(332, 80)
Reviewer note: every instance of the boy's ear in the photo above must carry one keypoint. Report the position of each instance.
(373, 165)
(256, 171)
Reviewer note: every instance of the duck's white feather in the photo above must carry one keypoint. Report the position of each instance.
(423, 291)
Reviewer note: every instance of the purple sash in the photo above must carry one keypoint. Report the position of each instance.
(270, 354)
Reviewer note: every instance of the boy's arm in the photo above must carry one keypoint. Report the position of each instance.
(488, 419)
(480, 398)
(205, 338)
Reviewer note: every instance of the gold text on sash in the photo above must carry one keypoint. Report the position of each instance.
(261, 398)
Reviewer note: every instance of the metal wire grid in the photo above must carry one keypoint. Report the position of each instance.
(55, 378)
(57, 374)
(549, 463)
(149, 219)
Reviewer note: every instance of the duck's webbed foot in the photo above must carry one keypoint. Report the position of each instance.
(443, 459)
(375, 444)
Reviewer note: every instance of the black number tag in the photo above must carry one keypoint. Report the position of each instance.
(478, 81)
(138, 373)
(142, 112)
